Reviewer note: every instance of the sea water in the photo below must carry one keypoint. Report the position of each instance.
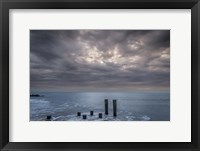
(133, 106)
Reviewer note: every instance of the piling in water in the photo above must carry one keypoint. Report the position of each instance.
(78, 113)
(91, 113)
(114, 107)
(106, 106)
(49, 117)
(84, 117)
(100, 115)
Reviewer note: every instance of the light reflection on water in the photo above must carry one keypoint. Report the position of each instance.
(130, 106)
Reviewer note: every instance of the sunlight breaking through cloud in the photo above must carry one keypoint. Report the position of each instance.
(99, 60)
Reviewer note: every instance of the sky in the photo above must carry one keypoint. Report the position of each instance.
(99, 60)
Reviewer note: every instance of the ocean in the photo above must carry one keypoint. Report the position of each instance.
(131, 106)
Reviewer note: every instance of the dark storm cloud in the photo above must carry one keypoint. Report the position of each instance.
(89, 60)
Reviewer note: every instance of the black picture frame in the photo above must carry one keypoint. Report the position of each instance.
(5, 5)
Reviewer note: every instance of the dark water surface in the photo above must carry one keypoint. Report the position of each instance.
(138, 106)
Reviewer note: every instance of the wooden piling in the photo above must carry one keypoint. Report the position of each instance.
(78, 113)
(84, 117)
(114, 107)
(48, 117)
(106, 106)
(91, 113)
(100, 115)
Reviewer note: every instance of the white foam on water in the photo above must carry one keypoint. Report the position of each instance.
(145, 118)
(41, 101)
(95, 117)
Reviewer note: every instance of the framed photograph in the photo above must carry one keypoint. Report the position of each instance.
(91, 75)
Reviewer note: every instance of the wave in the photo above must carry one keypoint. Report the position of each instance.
(40, 101)
(95, 117)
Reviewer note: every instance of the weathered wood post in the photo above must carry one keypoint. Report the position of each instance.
(78, 113)
(91, 113)
(114, 107)
(84, 117)
(48, 118)
(106, 106)
(100, 115)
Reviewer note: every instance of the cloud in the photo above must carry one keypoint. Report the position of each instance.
(99, 60)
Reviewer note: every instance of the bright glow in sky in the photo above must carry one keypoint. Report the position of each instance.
(100, 60)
